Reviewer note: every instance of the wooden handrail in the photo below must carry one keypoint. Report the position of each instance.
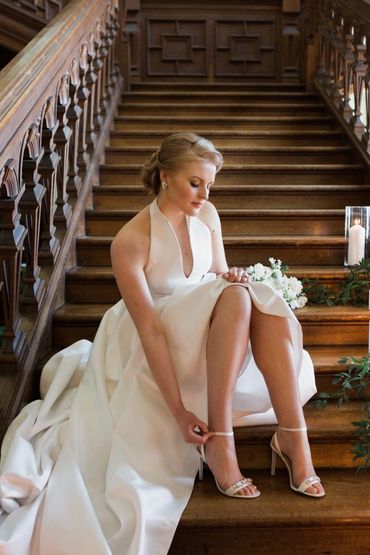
(58, 100)
(343, 75)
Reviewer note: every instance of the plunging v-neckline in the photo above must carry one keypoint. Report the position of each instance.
(188, 227)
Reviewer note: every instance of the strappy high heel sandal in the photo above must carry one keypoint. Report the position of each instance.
(233, 490)
(308, 482)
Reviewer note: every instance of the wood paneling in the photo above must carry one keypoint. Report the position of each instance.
(241, 40)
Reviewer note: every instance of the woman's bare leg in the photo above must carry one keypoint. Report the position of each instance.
(277, 365)
(226, 349)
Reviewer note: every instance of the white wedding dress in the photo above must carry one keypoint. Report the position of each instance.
(99, 466)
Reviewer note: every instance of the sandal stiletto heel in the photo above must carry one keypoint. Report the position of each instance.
(233, 490)
(307, 482)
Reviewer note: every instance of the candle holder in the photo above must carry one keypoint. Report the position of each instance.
(356, 234)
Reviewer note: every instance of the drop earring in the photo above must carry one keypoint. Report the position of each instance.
(164, 185)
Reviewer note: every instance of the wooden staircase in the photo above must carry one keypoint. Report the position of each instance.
(289, 172)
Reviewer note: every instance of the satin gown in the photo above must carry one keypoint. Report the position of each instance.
(98, 466)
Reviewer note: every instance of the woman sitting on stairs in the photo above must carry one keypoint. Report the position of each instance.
(105, 463)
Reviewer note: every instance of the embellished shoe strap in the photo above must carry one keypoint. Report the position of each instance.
(232, 490)
(308, 482)
(222, 433)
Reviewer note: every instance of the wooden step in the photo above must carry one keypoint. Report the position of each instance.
(159, 86)
(244, 155)
(321, 325)
(125, 197)
(279, 522)
(84, 281)
(217, 97)
(307, 250)
(242, 251)
(225, 137)
(238, 174)
(326, 362)
(205, 124)
(175, 108)
(238, 221)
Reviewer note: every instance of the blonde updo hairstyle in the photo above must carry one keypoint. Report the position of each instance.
(175, 151)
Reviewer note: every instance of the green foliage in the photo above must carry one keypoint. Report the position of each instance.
(355, 378)
(354, 289)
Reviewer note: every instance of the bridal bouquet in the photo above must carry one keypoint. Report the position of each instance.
(290, 288)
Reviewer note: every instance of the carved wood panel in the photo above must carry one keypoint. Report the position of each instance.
(176, 47)
(245, 47)
(246, 40)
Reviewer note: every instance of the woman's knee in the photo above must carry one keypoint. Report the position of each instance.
(234, 299)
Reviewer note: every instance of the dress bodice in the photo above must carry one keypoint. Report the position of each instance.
(164, 270)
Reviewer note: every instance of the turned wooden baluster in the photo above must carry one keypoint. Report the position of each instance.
(33, 287)
(98, 69)
(83, 94)
(62, 137)
(338, 46)
(359, 73)
(103, 56)
(112, 28)
(348, 61)
(329, 63)
(73, 115)
(49, 244)
(12, 236)
(366, 136)
(91, 79)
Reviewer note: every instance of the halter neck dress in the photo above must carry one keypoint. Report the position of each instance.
(98, 465)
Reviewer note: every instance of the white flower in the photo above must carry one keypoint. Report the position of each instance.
(290, 288)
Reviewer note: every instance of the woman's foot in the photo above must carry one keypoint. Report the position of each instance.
(222, 461)
(296, 447)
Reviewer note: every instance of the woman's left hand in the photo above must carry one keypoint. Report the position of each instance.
(236, 275)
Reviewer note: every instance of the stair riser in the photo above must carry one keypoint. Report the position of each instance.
(223, 110)
(174, 126)
(251, 177)
(243, 255)
(259, 98)
(276, 539)
(250, 225)
(122, 201)
(299, 139)
(65, 332)
(224, 87)
(126, 157)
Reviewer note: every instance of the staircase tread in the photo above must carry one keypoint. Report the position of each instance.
(77, 311)
(222, 119)
(251, 240)
(227, 133)
(245, 168)
(215, 94)
(243, 149)
(346, 504)
(326, 357)
(237, 212)
(296, 104)
(245, 188)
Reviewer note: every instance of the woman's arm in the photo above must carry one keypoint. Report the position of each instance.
(129, 253)
(210, 217)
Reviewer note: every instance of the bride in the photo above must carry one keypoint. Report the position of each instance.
(105, 462)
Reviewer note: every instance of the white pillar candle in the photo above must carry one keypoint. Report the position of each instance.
(356, 243)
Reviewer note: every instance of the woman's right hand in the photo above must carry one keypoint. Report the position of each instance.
(193, 429)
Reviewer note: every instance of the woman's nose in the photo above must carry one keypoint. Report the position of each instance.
(203, 193)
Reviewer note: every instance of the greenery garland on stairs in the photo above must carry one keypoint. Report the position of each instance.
(354, 290)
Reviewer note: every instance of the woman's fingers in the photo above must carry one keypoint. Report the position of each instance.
(236, 275)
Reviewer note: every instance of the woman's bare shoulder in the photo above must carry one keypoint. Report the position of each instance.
(134, 236)
(208, 215)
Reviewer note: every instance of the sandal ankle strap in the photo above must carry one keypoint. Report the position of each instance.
(304, 429)
(222, 433)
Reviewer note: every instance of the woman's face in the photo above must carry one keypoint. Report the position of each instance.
(188, 187)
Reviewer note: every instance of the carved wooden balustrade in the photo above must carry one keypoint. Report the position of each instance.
(58, 100)
(343, 75)
(45, 9)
